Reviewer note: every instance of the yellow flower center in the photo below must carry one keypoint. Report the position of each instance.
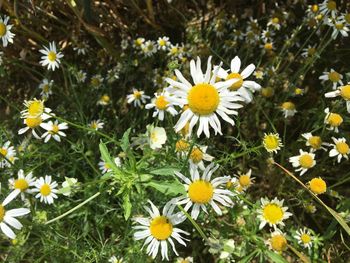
(55, 129)
(2, 29)
(161, 103)
(339, 26)
(298, 91)
(137, 95)
(95, 81)
(273, 213)
(174, 50)
(314, 8)
(46, 88)
(237, 84)
(305, 238)
(200, 192)
(106, 166)
(311, 51)
(185, 130)
(182, 145)
(275, 20)
(318, 185)
(33, 122)
(271, 142)
(334, 76)
(267, 92)
(3, 152)
(334, 119)
(244, 180)
(196, 155)
(161, 228)
(94, 125)
(21, 184)
(36, 108)
(51, 56)
(268, 46)
(139, 41)
(345, 92)
(315, 142)
(105, 98)
(45, 190)
(342, 147)
(2, 212)
(332, 5)
(306, 161)
(288, 105)
(161, 42)
(278, 242)
(203, 99)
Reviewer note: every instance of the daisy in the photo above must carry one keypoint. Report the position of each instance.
(5, 31)
(163, 43)
(54, 130)
(333, 119)
(340, 149)
(315, 142)
(138, 42)
(51, 57)
(96, 81)
(288, 109)
(274, 23)
(7, 155)
(332, 76)
(46, 88)
(46, 189)
(344, 92)
(96, 125)
(205, 100)
(317, 186)
(137, 97)
(8, 218)
(156, 136)
(35, 108)
(310, 51)
(202, 191)
(80, 76)
(272, 213)
(243, 181)
(339, 26)
(114, 259)
(105, 168)
(304, 237)
(159, 229)
(104, 100)
(21, 185)
(244, 87)
(304, 160)
(161, 104)
(149, 48)
(267, 35)
(312, 10)
(272, 142)
(33, 124)
(329, 6)
(197, 156)
(277, 242)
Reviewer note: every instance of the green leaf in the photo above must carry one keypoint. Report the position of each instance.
(168, 188)
(106, 157)
(275, 257)
(127, 206)
(164, 171)
(340, 220)
(124, 142)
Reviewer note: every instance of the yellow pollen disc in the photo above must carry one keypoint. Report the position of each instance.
(275, 20)
(174, 50)
(51, 56)
(161, 42)
(3, 152)
(334, 76)
(182, 145)
(305, 238)
(268, 46)
(21, 184)
(137, 95)
(46, 88)
(161, 228)
(342, 147)
(161, 103)
(203, 99)
(36, 108)
(339, 26)
(315, 142)
(45, 190)
(278, 243)
(33, 122)
(267, 92)
(105, 98)
(306, 161)
(334, 119)
(238, 84)
(106, 166)
(271, 142)
(345, 92)
(288, 105)
(311, 51)
(229, 184)
(244, 180)
(55, 129)
(332, 5)
(200, 192)
(318, 186)
(196, 155)
(273, 213)
(2, 212)
(2, 29)
(314, 8)
(95, 81)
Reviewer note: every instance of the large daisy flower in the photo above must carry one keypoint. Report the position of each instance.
(21, 185)
(46, 188)
(244, 87)
(205, 99)
(159, 229)
(51, 58)
(5, 34)
(202, 191)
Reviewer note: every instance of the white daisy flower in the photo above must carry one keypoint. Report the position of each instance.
(197, 156)
(46, 189)
(163, 43)
(149, 48)
(334, 120)
(244, 87)
(96, 80)
(21, 185)
(272, 213)
(35, 108)
(310, 51)
(33, 124)
(288, 109)
(96, 125)
(304, 161)
(138, 42)
(8, 218)
(243, 181)
(277, 242)
(274, 23)
(51, 57)
(340, 149)
(80, 76)
(333, 76)
(339, 26)
(46, 88)
(156, 136)
(7, 155)
(54, 130)
(114, 259)
(205, 100)
(315, 142)
(272, 142)
(329, 7)
(159, 230)
(5, 31)
(161, 104)
(267, 35)
(202, 191)
(137, 97)
(104, 100)
(105, 168)
(344, 92)
(304, 237)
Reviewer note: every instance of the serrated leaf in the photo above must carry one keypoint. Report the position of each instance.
(168, 188)
(164, 171)
(127, 206)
